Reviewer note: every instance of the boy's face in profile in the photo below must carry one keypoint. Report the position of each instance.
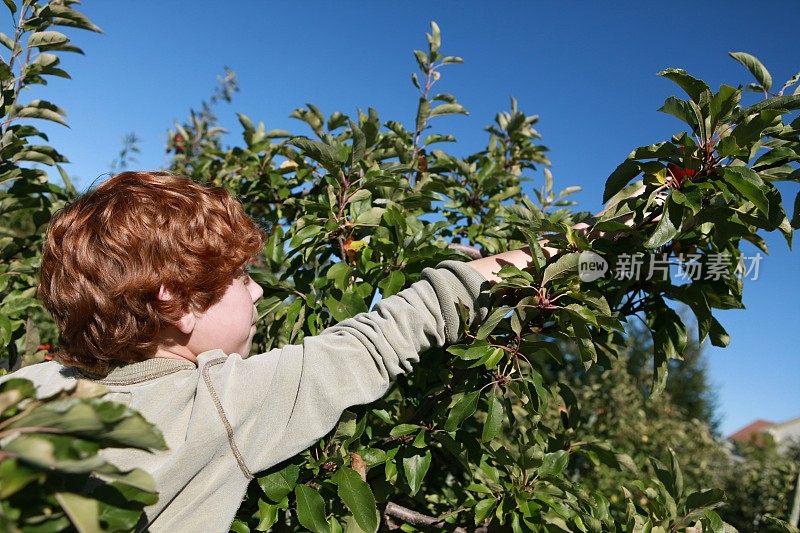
(229, 324)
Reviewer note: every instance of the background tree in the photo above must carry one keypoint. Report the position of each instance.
(760, 484)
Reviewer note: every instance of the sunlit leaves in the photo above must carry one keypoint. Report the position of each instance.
(756, 68)
(311, 509)
(562, 267)
(415, 467)
(494, 419)
(278, 485)
(358, 497)
(40, 109)
(624, 173)
(463, 407)
(669, 225)
(695, 88)
(55, 441)
(750, 185)
(46, 38)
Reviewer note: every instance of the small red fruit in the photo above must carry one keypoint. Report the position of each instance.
(677, 175)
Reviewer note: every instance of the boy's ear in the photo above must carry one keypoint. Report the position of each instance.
(187, 322)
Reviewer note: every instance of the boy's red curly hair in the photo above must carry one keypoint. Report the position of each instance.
(107, 253)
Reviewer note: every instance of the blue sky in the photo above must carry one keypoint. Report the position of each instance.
(587, 68)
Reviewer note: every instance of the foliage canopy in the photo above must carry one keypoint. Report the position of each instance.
(489, 435)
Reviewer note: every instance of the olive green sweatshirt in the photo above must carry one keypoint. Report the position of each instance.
(229, 417)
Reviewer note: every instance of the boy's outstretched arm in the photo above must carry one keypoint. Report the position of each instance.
(521, 258)
(280, 402)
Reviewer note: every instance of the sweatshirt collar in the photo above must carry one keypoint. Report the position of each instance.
(139, 371)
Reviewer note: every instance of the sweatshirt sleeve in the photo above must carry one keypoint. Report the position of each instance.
(280, 402)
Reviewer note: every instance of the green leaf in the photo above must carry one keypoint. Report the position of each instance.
(777, 156)
(483, 509)
(584, 340)
(325, 154)
(693, 87)
(278, 485)
(719, 337)
(553, 464)
(561, 267)
(6, 330)
(625, 172)
(11, 5)
(373, 456)
(749, 184)
(692, 295)
(669, 225)
(677, 474)
(435, 38)
(786, 527)
(358, 497)
(752, 129)
(494, 419)
(369, 217)
(791, 81)
(714, 521)
(723, 103)
(795, 217)
(359, 144)
(681, 110)
(40, 109)
(82, 511)
(669, 342)
(756, 68)
(422, 60)
(704, 498)
(478, 350)
(448, 109)
(239, 527)
(415, 468)
(392, 284)
(423, 110)
(776, 103)
(267, 514)
(452, 59)
(463, 409)
(311, 509)
(301, 235)
(46, 38)
(653, 151)
(403, 429)
(438, 138)
(488, 325)
(65, 16)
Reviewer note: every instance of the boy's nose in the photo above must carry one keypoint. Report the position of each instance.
(258, 292)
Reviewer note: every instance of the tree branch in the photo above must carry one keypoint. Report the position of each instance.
(474, 253)
(393, 510)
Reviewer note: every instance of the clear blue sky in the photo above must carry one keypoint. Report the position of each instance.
(587, 68)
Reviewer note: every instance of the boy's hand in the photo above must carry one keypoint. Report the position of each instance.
(521, 258)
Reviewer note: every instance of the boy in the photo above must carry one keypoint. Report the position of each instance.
(146, 279)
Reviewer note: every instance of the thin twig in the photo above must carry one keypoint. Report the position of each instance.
(393, 510)
(471, 251)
